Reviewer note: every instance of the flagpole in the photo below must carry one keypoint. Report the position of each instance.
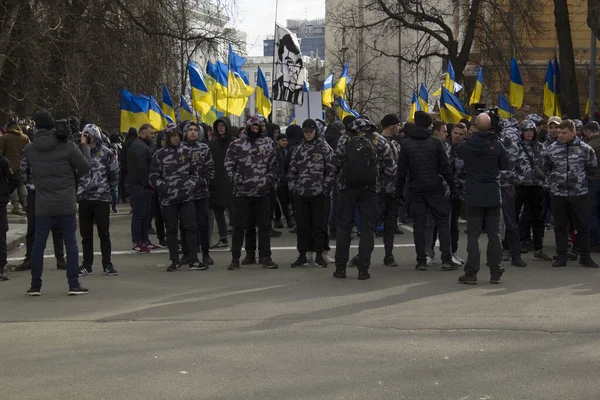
(273, 65)
(308, 101)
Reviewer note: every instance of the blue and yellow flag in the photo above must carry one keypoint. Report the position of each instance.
(449, 81)
(504, 109)
(201, 97)
(423, 98)
(327, 93)
(415, 106)
(549, 92)
(344, 109)
(263, 101)
(167, 103)
(340, 86)
(217, 78)
(141, 107)
(156, 116)
(451, 109)
(292, 119)
(238, 87)
(186, 112)
(127, 111)
(476, 95)
(516, 85)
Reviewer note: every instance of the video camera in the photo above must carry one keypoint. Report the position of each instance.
(494, 132)
(66, 129)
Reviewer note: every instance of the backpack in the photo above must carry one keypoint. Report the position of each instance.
(361, 165)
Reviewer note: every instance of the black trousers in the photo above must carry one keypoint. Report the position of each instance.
(157, 212)
(311, 213)
(533, 197)
(186, 213)
(439, 208)
(456, 205)
(57, 236)
(3, 244)
(388, 211)
(368, 212)
(283, 195)
(202, 223)
(98, 212)
(576, 211)
(476, 217)
(259, 207)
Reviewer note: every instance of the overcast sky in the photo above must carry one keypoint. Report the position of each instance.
(257, 18)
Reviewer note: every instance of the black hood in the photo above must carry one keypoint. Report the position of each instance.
(227, 128)
(271, 129)
(419, 133)
(294, 134)
(332, 133)
(479, 143)
(45, 140)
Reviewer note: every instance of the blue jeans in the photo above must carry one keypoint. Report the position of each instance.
(140, 202)
(594, 196)
(67, 224)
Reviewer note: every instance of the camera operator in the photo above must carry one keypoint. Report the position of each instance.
(54, 164)
(484, 158)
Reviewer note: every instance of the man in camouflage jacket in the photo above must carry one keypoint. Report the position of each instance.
(205, 170)
(310, 179)
(365, 197)
(174, 175)
(567, 164)
(94, 195)
(250, 164)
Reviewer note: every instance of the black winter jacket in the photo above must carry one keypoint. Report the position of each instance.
(484, 159)
(221, 189)
(138, 163)
(9, 180)
(423, 159)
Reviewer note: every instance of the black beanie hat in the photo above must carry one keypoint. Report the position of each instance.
(348, 119)
(423, 119)
(389, 120)
(43, 119)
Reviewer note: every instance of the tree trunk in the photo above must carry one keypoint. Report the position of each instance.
(569, 96)
(593, 18)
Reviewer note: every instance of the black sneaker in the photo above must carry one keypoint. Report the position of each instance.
(468, 279)
(572, 256)
(61, 263)
(587, 263)
(207, 260)
(222, 245)
(446, 266)
(184, 260)
(25, 266)
(3, 277)
(34, 291)
(390, 261)
(268, 263)
(197, 265)
(275, 234)
(540, 255)
(353, 263)
(163, 243)
(340, 272)
(83, 271)
(363, 275)
(278, 225)
(250, 258)
(320, 261)
(174, 266)
(77, 290)
(559, 262)
(302, 261)
(110, 270)
(518, 262)
(421, 266)
(235, 265)
(495, 276)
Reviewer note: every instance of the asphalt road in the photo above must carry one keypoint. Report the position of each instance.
(300, 334)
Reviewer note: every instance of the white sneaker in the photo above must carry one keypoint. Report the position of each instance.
(456, 259)
(310, 256)
(430, 260)
(328, 258)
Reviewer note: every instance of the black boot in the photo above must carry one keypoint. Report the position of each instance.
(3, 276)
(25, 265)
(468, 279)
(249, 259)
(235, 265)
(363, 275)
(495, 275)
(61, 263)
(340, 271)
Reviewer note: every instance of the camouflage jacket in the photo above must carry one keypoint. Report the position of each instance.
(173, 174)
(525, 175)
(567, 167)
(25, 171)
(387, 164)
(205, 167)
(389, 182)
(510, 137)
(311, 170)
(251, 166)
(458, 169)
(549, 142)
(102, 177)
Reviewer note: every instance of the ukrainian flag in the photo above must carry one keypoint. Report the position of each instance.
(238, 87)
(141, 107)
(263, 102)
(292, 119)
(557, 110)
(156, 117)
(340, 85)
(167, 103)
(327, 93)
(127, 111)
(449, 81)
(186, 112)
(504, 109)
(415, 106)
(344, 109)
(516, 86)
(476, 95)
(423, 99)
(451, 109)
(549, 92)
(217, 76)
(201, 97)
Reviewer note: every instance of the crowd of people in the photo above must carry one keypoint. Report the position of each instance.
(509, 178)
